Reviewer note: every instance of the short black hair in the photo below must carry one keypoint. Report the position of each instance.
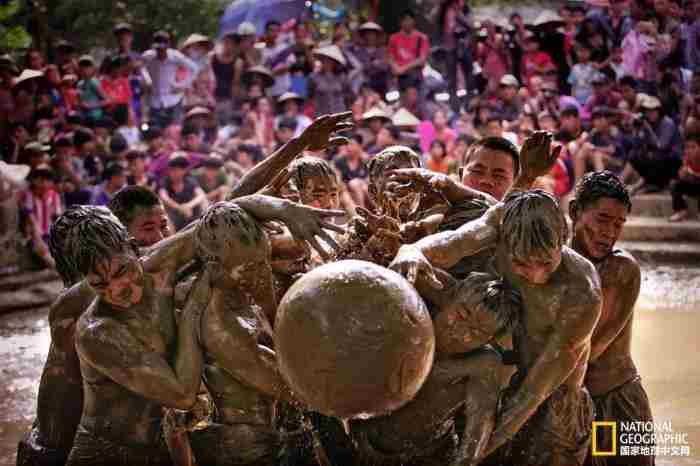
(128, 200)
(288, 123)
(112, 169)
(64, 237)
(570, 111)
(693, 136)
(394, 131)
(597, 185)
(408, 13)
(272, 22)
(187, 130)
(497, 144)
(628, 81)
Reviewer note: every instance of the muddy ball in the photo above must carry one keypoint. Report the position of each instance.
(354, 340)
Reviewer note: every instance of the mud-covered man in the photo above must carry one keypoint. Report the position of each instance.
(60, 398)
(599, 212)
(549, 408)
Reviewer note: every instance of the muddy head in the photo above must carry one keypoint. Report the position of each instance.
(316, 181)
(354, 340)
(383, 192)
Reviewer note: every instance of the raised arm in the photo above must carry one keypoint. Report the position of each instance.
(171, 253)
(317, 136)
(112, 349)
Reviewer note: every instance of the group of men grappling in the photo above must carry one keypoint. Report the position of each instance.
(532, 335)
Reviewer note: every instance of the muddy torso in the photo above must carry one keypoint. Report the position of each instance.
(237, 403)
(60, 398)
(112, 410)
(547, 307)
(614, 366)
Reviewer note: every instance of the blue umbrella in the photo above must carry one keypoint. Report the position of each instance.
(260, 12)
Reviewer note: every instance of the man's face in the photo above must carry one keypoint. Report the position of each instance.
(117, 182)
(149, 226)
(291, 107)
(192, 141)
(384, 138)
(599, 226)
(176, 173)
(692, 151)
(118, 281)
(489, 171)
(661, 7)
(284, 135)
(125, 39)
(628, 93)
(273, 30)
(407, 24)
(321, 193)
(494, 129)
(508, 92)
(137, 166)
(536, 270)
(601, 124)
(570, 123)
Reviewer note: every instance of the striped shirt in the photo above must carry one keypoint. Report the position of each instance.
(42, 209)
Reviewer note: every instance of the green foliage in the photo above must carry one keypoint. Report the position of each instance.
(89, 23)
(12, 36)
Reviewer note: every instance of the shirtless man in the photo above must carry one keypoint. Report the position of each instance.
(599, 212)
(466, 375)
(60, 398)
(142, 213)
(127, 337)
(530, 234)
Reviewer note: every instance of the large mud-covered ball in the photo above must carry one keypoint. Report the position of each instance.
(354, 340)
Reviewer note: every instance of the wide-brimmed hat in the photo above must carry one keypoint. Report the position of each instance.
(86, 59)
(650, 103)
(198, 111)
(375, 112)
(333, 52)
(268, 78)
(287, 96)
(509, 80)
(370, 26)
(404, 118)
(546, 17)
(28, 75)
(246, 28)
(36, 146)
(122, 27)
(196, 39)
(13, 172)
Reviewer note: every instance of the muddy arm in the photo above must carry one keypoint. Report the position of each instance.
(113, 350)
(618, 304)
(567, 346)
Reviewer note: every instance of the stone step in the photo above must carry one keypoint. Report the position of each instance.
(657, 205)
(660, 229)
(671, 252)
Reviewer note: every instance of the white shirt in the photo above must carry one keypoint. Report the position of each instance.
(166, 92)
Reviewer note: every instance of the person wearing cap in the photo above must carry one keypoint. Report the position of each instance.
(604, 149)
(113, 179)
(92, 97)
(374, 70)
(40, 204)
(284, 132)
(508, 101)
(656, 147)
(162, 63)
(408, 51)
(329, 86)
(212, 178)
(184, 199)
(197, 48)
(374, 120)
(290, 103)
(603, 95)
(582, 73)
(35, 153)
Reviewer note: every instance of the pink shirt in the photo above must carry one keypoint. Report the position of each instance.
(405, 48)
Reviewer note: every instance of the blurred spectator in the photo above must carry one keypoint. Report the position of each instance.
(184, 199)
(162, 63)
(408, 52)
(582, 73)
(329, 86)
(40, 205)
(372, 55)
(657, 147)
(212, 179)
(290, 105)
(688, 182)
(114, 179)
(137, 170)
(353, 171)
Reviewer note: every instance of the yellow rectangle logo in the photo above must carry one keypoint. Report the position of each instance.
(594, 443)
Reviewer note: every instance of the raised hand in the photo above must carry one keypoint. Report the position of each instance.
(321, 133)
(537, 156)
(421, 178)
(306, 223)
(374, 222)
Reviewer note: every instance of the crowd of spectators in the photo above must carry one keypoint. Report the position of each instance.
(616, 81)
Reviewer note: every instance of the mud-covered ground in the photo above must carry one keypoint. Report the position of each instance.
(666, 349)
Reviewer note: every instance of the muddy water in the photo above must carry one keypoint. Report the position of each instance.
(666, 348)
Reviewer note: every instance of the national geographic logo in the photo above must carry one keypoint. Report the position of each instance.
(612, 438)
